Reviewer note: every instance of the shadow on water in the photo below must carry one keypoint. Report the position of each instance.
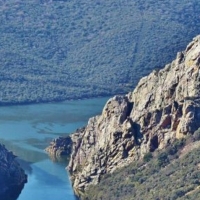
(25, 151)
(26, 166)
(45, 177)
(42, 176)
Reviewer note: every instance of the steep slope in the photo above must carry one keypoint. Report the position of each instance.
(178, 179)
(12, 177)
(164, 106)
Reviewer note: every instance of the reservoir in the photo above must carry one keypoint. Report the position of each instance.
(27, 130)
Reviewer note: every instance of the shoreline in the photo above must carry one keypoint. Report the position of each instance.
(5, 104)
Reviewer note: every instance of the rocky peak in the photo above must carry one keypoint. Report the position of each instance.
(176, 82)
(165, 105)
(170, 97)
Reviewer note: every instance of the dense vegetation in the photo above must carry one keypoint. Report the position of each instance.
(169, 174)
(67, 49)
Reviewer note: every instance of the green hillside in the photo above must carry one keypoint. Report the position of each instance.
(171, 174)
(57, 50)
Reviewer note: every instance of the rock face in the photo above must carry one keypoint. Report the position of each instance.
(12, 177)
(59, 147)
(165, 105)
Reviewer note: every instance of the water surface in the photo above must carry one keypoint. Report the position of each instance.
(28, 129)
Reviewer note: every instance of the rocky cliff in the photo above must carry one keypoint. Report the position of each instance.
(12, 177)
(165, 105)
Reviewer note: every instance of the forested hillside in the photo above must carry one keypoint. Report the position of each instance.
(53, 50)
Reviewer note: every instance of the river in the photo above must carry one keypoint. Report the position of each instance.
(28, 129)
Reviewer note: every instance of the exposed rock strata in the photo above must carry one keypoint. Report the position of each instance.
(12, 177)
(165, 105)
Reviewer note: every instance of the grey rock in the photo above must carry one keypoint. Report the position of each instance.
(164, 105)
(59, 147)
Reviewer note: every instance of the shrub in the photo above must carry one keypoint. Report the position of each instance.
(162, 159)
(147, 157)
(196, 135)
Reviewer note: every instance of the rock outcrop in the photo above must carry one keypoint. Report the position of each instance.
(60, 147)
(12, 177)
(165, 105)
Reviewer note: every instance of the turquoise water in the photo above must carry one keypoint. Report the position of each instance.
(28, 129)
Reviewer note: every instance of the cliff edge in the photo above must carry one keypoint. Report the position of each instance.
(164, 105)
